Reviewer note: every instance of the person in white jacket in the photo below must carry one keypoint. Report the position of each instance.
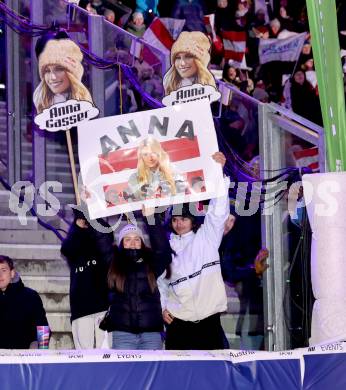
(193, 295)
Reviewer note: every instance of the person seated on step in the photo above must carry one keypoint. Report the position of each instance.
(21, 310)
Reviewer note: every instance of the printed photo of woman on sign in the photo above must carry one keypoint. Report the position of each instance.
(155, 176)
(189, 58)
(61, 71)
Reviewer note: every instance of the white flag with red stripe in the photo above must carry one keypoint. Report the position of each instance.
(162, 32)
(234, 43)
(209, 22)
(307, 158)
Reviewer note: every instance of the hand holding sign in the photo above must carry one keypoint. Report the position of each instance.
(220, 158)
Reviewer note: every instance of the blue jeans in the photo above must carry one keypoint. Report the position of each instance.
(127, 340)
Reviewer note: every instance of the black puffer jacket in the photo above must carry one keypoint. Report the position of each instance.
(88, 253)
(21, 310)
(138, 309)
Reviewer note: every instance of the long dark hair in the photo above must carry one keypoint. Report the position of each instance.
(118, 270)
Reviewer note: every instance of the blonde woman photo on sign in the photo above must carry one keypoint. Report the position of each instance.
(61, 71)
(155, 176)
(189, 59)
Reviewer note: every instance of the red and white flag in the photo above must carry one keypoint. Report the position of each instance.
(307, 158)
(234, 43)
(162, 32)
(209, 22)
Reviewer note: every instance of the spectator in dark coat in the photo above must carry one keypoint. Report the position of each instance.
(193, 12)
(224, 16)
(242, 264)
(304, 100)
(21, 310)
(88, 253)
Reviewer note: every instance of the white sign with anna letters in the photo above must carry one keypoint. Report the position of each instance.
(158, 157)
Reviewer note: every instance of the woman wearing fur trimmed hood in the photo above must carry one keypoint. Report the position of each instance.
(61, 71)
(189, 58)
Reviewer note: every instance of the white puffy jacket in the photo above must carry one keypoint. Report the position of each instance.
(196, 289)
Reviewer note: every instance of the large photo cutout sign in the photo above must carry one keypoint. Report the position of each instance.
(158, 157)
(61, 99)
(189, 78)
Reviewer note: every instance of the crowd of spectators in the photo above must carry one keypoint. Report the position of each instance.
(292, 84)
(122, 294)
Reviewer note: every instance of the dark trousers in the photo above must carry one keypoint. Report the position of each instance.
(204, 334)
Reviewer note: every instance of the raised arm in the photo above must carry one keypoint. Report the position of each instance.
(104, 242)
(75, 238)
(218, 211)
(162, 253)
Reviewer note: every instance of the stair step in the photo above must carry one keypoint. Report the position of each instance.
(52, 156)
(234, 341)
(13, 222)
(59, 322)
(53, 165)
(229, 322)
(57, 303)
(34, 267)
(61, 340)
(28, 237)
(66, 198)
(65, 176)
(48, 284)
(34, 251)
(51, 148)
(54, 221)
(5, 211)
(4, 196)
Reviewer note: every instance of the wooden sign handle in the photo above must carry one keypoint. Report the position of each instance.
(73, 166)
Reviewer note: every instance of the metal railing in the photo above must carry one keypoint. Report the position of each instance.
(38, 157)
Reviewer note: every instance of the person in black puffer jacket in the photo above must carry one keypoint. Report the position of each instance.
(21, 310)
(135, 315)
(88, 253)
